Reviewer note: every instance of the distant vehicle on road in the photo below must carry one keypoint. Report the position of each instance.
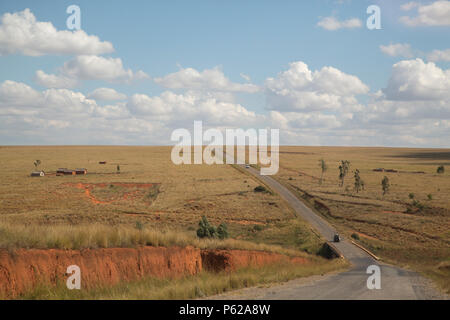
(336, 238)
(247, 166)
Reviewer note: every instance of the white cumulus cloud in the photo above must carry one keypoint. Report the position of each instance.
(21, 33)
(54, 81)
(434, 14)
(417, 80)
(439, 55)
(106, 94)
(397, 50)
(301, 89)
(89, 67)
(208, 79)
(331, 23)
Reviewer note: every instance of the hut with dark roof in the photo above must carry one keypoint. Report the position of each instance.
(81, 171)
(38, 174)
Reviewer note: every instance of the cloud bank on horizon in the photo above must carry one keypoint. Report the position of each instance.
(93, 97)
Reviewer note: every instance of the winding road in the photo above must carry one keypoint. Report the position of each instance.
(396, 283)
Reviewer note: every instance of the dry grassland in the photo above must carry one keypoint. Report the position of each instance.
(391, 225)
(150, 192)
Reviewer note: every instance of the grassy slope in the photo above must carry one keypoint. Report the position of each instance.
(420, 241)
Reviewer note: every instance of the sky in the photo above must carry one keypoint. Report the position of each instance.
(138, 70)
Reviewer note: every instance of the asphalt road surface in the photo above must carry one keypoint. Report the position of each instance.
(396, 283)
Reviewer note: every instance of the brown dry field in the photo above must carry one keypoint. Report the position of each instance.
(417, 239)
(149, 190)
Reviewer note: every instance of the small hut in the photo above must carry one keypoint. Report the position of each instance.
(61, 170)
(81, 171)
(38, 174)
(102, 162)
(69, 172)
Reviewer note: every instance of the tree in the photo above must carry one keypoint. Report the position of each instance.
(222, 231)
(205, 230)
(118, 169)
(323, 167)
(343, 170)
(359, 183)
(37, 163)
(385, 185)
(440, 169)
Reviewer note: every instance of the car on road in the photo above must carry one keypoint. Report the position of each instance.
(336, 238)
(247, 166)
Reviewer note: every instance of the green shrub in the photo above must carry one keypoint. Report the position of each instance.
(430, 196)
(418, 205)
(440, 169)
(260, 189)
(355, 236)
(222, 231)
(257, 227)
(139, 225)
(153, 192)
(385, 185)
(205, 230)
(411, 195)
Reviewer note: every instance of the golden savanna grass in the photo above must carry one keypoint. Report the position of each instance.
(55, 207)
(93, 236)
(60, 212)
(390, 225)
(192, 287)
(186, 192)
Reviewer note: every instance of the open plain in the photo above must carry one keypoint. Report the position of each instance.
(134, 197)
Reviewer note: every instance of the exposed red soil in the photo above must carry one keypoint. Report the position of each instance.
(362, 235)
(88, 187)
(230, 260)
(23, 269)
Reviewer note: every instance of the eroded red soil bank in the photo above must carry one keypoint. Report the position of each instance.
(231, 260)
(22, 269)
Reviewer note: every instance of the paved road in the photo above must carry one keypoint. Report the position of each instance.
(396, 283)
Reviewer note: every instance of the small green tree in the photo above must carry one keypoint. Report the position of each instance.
(260, 189)
(440, 169)
(205, 230)
(343, 170)
(139, 225)
(411, 195)
(359, 183)
(222, 231)
(37, 163)
(118, 169)
(323, 167)
(385, 185)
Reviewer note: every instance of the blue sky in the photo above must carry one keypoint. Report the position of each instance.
(259, 39)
